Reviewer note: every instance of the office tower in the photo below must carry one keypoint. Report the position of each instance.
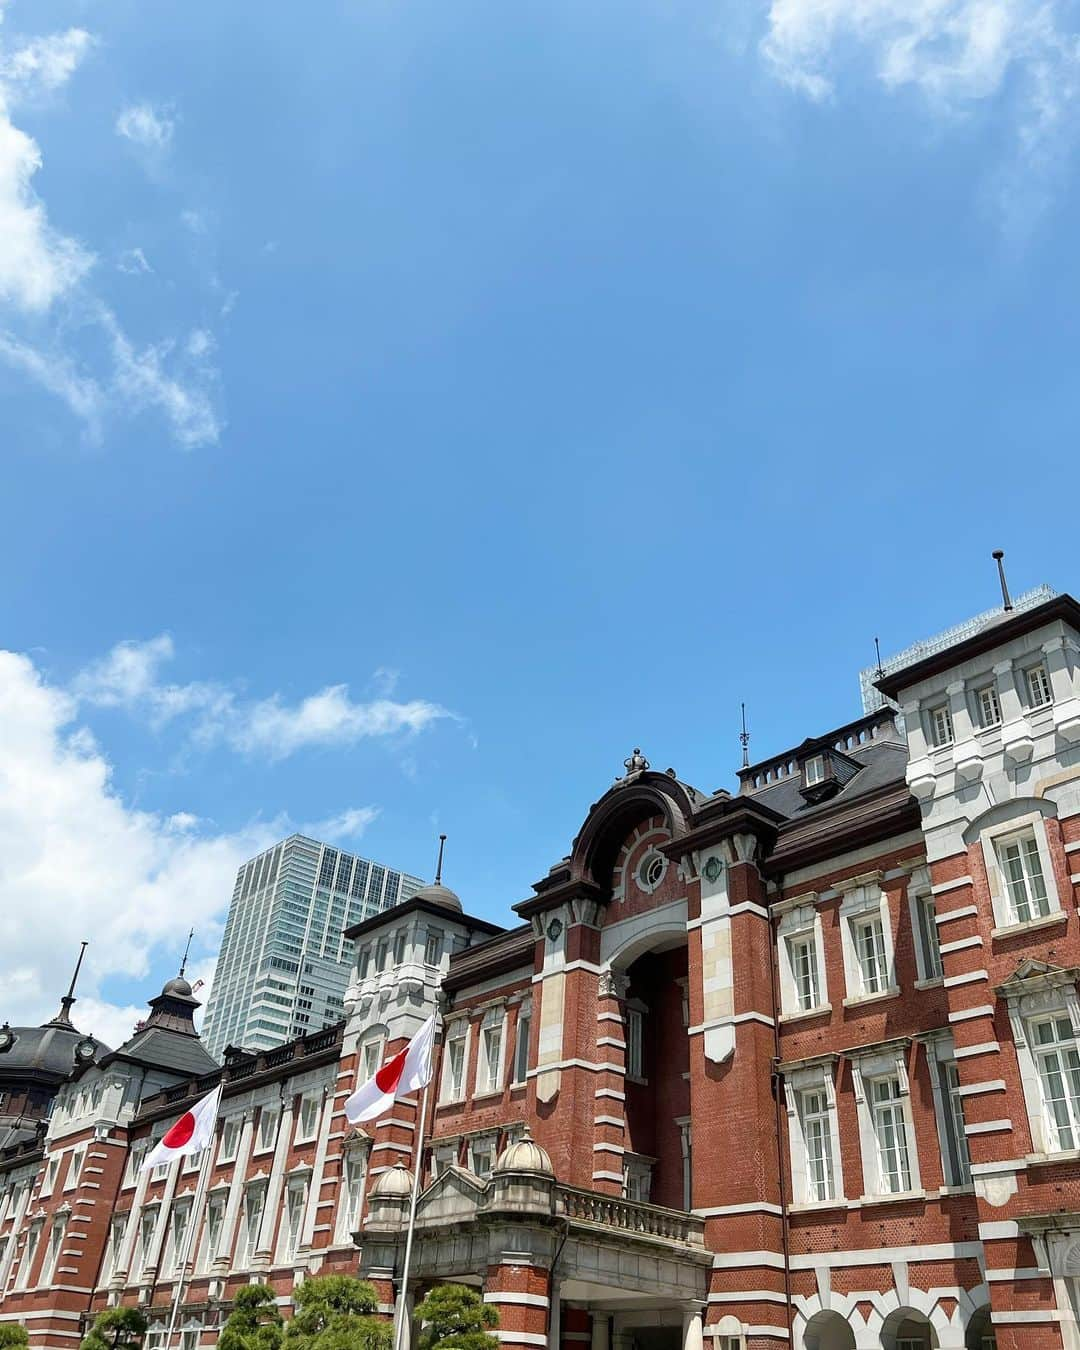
(284, 963)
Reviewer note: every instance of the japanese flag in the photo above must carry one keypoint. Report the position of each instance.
(191, 1133)
(409, 1070)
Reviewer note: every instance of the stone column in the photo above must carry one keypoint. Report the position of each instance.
(264, 1247)
(601, 1331)
(692, 1336)
(223, 1256)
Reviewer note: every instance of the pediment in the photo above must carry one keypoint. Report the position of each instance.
(1031, 976)
(454, 1195)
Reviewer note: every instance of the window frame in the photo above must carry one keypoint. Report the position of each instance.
(882, 1064)
(864, 900)
(303, 1134)
(814, 770)
(456, 1033)
(978, 693)
(522, 1034)
(634, 1032)
(490, 1067)
(990, 838)
(941, 734)
(1037, 673)
(924, 927)
(814, 1079)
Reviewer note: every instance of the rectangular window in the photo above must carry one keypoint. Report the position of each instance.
(489, 1070)
(52, 1252)
(890, 1129)
(50, 1176)
(144, 1239)
(74, 1168)
(481, 1155)
(292, 1219)
(230, 1139)
(957, 1160)
(249, 1228)
(869, 939)
(355, 1171)
(111, 1262)
(521, 1049)
(399, 946)
(454, 1073)
(363, 962)
(1038, 686)
(380, 955)
(29, 1252)
(929, 945)
(307, 1124)
(941, 730)
(211, 1235)
(174, 1242)
(814, 770)
(637, 1182)
(635, 1043)
(817, 1135)
(371, 1058)
(1022, 869)
(989, 706)
(433, 947)
(268, 1123)
(1059, 1075)
(802, 954)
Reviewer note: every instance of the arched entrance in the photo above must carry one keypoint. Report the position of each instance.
(908, 1329)
(980, 1332)
(828, 1331)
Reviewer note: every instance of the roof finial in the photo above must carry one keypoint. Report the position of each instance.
(877, 649)
(187, 950)
(64, 1015)
(744, 737)
(999, 555)
(438, 865)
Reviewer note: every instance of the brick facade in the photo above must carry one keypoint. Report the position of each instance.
(797, 1065)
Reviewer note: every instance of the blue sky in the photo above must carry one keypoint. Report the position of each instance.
(408, 408)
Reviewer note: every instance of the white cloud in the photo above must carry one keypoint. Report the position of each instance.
(149, 127)
(88, 865)
(133, 261)
(44, 275)
(349, 824)
(129, 677)
(957, 54)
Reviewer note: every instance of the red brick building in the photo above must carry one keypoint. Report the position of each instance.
(794, 1065)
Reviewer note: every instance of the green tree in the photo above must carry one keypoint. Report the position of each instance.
(254, 1323)
(335, 1312)
(11, 1335)
(455, 1317)
(115, 1329)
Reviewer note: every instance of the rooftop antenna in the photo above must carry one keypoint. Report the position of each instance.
(187, 949)
(744, 737)
(64, 1015)
(999, 555)
(877, 649)
(438, 865)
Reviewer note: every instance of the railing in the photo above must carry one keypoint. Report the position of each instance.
(629, 1216)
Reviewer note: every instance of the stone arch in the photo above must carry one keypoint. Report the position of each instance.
(979, 1333)
(1003, 812)
(828, 1330)
(617, 813)
(908, 1327)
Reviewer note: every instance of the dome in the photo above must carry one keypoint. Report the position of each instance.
(524, 1155)
(52, 1049)
(178, 988)
(438, 894)
(394, 1184)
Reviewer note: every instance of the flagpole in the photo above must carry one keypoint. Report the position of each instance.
(418, 1163)
(188, 1237)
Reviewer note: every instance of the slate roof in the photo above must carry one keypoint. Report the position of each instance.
(161, 1048)
(883, 762)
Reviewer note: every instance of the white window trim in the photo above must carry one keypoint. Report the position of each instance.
(799, 922)
(357, 1154)
(226, 1124)
(1055, 996)
(941, 1052)
(459, 1030)
(812, 1078)
(919, 889)
(260, 1147)
(882, 1062)
(293, 1186)
(493, 1017)
(313, 1133)
(817, 764)
(864, 900)
(489, 1138)
(524, 1014)
(990, 838)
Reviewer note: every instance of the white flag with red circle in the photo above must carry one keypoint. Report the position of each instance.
(408, 1071)
(191, 1133)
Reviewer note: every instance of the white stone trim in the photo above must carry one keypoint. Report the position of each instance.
(738, 1260)
(965, 1014)
(944, 887)
(988, 1127)
(883, 1256)
(964, 912)
(519, 1300)
(987, 1085)
(721, 1211)
(750, 1296)
(961, 944)
(984, 1048)
(1001, 1228)
(971, 977)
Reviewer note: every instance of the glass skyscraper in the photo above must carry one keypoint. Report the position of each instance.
(284, 964)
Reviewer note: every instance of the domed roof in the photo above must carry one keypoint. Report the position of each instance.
(438, 894)
(53, 1049)
(178, 987)
(394, 1184)
(524, 1155)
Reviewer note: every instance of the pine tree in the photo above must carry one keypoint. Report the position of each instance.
(115, 1329)
(455, 1317)
(254, 1323)
(335, 1312)
(12, 1335)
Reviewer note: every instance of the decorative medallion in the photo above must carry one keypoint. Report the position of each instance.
(713, 867)
(554, 930)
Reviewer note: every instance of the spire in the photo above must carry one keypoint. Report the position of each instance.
(438, 865)
(999, 557)
(744, 737)
(187, 950)
(63, 1017)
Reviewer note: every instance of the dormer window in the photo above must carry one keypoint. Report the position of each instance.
(941, 728)
(814, 770)
(1038, 686)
